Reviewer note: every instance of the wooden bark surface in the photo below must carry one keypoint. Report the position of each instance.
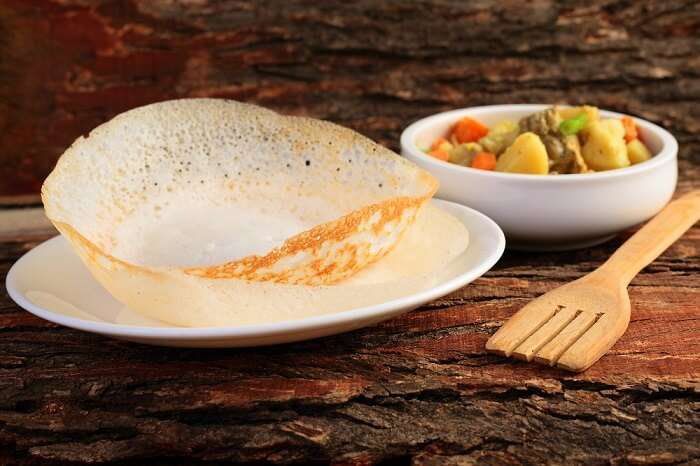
(68, 65)
(418, 389)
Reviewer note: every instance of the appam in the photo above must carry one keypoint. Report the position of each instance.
(204, 212)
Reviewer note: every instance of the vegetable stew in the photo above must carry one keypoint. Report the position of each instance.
(558, 140)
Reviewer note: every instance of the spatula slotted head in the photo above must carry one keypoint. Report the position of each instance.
(570, 327)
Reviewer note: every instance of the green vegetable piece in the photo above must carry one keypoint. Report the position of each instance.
(573, 125)
(462, 154)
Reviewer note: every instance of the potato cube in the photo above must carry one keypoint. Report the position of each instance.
(614, 127)
(527, 154)
(637, 151)
(605, 148)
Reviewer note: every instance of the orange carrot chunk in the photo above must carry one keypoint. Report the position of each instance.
(630, 128)
(469, 130)
(440, 154)
(484, 161)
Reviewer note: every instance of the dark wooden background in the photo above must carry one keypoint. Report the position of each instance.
(418, 389)
(68, 65)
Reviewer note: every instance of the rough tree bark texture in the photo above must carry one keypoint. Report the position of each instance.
(68, 65)
(418, 389)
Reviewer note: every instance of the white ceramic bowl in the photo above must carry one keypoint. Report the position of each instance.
(539, 212)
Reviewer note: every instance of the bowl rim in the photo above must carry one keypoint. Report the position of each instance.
(669, 147)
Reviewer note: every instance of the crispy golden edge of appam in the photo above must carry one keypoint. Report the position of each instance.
(337, 230)
(334, 230)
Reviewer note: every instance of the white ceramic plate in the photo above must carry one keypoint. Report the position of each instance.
(50, 282)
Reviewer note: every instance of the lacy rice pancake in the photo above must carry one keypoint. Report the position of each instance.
(213, 212)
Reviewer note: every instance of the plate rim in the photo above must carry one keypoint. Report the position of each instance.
(270, 328)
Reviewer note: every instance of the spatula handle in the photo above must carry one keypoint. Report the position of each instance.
(654, 237)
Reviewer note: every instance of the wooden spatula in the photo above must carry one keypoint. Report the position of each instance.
(575, 324)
